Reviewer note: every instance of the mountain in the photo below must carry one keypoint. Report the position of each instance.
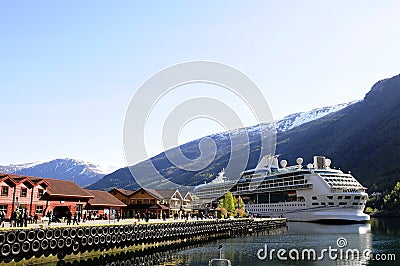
(363, 138)
(83, 173)
(123, 178)
(15, 167)
(297, 119)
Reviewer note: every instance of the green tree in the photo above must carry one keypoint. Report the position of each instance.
(229, 202)
(392, 200)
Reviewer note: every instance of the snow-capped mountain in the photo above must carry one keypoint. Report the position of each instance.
(288, 122)
(15, 167)
(123, 178)
(297, 119)
(83, 173)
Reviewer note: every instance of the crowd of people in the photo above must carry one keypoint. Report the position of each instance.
(18, 218)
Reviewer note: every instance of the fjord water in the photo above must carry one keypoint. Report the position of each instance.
(380, 236)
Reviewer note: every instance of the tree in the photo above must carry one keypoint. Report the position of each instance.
(392, 200)
(229, 202)
(229, 205)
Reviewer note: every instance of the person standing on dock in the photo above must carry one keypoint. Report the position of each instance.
(75, 219)
(24, 218)
(50, 216)
(2, 218)
(69, 218)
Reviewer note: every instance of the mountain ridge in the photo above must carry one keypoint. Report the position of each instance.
(81, 172)
(122, 178)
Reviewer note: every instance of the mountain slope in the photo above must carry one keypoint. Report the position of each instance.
(297, 119)
(363, 137)
(123, 178)
(82, 173)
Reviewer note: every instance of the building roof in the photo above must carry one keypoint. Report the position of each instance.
(24, 180)
(124, 192)
(104, 199)
(29, 181)
(186, 195)
(168, 193)
(148, 206)
(152, 192)
(65, 189)
(8, 180)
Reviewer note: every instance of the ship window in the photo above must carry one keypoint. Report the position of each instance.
(342, 203)
(357, 197)
(340, 197)
(347, 197)
(330, 203)
(322, 203)
(355, 203)
(314, 198)
(330, 197)
(360, 203)
(315, 203)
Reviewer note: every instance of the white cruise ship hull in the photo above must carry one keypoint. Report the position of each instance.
(327, 215)
(316, 194)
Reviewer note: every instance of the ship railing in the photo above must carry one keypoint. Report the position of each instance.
(259, 189)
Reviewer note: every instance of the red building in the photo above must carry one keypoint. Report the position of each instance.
(21, 192)
(103, 203)
(41, 195)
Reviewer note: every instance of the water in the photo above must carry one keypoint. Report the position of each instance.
(381, 236)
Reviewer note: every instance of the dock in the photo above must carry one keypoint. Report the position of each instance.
(18, 244)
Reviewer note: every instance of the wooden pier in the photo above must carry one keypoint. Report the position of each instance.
(25, 244)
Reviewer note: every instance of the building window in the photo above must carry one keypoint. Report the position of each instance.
(146, 201)
(133, 201)
(39, 209)
(40, 193)
(4, 191)
(4, 208)
(153, 201)
(24, 192)
(139, 201)
(22, 206)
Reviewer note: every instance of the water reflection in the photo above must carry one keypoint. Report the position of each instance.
(146, 257)
(379, 236)
(387, 226)
(313, 228)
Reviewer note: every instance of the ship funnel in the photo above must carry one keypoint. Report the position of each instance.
(319, 162)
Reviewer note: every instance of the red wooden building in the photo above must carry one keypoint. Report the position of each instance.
(41, 195)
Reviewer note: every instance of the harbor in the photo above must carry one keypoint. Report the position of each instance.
(58, 242)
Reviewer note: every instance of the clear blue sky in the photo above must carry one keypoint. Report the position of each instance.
(69, 68)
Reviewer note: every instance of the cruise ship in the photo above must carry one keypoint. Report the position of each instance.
(314, 193)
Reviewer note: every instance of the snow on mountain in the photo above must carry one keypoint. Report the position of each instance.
(123, 177)
(297, 119)
(83, 173)
(15, 167)
(288, 122)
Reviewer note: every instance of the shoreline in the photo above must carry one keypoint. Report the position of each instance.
(388, 214)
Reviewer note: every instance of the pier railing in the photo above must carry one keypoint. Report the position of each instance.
(19, 244)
